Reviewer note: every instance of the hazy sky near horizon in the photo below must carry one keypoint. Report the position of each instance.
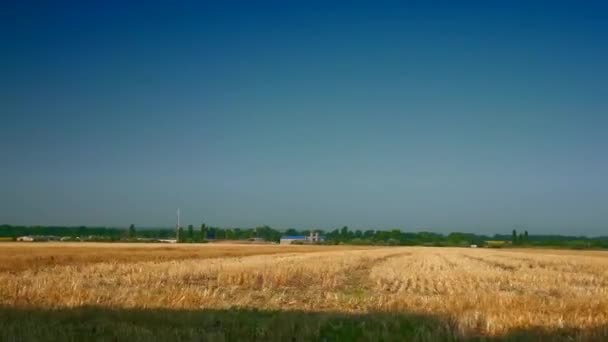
(471, 116)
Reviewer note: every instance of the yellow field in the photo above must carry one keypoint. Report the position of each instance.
(451, 293)
(19, 256)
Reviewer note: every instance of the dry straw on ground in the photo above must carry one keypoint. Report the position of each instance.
(480, 292)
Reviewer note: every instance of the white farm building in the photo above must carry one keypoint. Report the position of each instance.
(312, 238)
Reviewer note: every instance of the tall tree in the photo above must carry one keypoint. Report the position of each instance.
(132, 231)
(526, 236)
(229, 234)
(291, 231)
(203, 231)
(514, 237)
(344, 232)
(180, 235)
(190, 233)
(211, 233)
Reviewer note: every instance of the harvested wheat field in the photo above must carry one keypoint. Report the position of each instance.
(227, 293)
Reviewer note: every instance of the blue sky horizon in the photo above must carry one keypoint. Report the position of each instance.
(470, 116)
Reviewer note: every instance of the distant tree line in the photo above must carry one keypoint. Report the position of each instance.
(205, 233)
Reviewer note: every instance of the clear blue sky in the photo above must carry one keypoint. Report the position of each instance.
(474, 117)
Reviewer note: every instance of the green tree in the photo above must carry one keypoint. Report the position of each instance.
(212, 233)
(344, 233)
(456, 238)
(220, 234)
(180, 235)
(334, 235)
(526, 236)
(514, 237)
(395, 234)
(203, 232)
(190, 233)
(368, 234)
(132, 231)
(291, 231)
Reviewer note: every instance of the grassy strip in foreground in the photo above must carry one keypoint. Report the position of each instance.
(102, 324)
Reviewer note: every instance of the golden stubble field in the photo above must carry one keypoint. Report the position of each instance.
(474, 292)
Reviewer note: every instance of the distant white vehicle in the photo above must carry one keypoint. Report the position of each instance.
(25, 239)
(32, 238)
